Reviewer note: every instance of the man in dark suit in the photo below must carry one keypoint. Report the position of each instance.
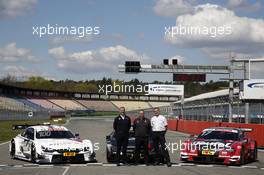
(142, 128)
(122, 124)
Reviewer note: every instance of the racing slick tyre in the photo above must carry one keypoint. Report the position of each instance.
(109, 157)
(33, 153)
(242, 156)
(12, 149)
(254, 154)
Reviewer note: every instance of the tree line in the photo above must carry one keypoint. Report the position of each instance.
(92, 86)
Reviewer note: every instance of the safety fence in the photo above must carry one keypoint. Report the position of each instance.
(220, 112)
(23, 115)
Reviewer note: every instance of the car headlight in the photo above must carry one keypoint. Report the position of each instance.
(45, 149)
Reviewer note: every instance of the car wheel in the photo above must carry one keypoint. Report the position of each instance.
(242, 156)
(109, 156)
(33, 153)
(12, 149)
(255, 153)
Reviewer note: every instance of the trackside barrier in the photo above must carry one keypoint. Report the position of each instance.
(195, 127)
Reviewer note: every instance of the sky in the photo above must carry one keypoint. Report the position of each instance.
(104, 33)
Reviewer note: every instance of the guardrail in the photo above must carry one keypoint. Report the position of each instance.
(195, 127)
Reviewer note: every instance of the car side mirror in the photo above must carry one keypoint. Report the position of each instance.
(77, 135)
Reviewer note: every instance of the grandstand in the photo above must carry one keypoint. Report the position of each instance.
(98, 105)
(18, 108)
(158, 104)
(67, 104)
(45, 104)
(132, 105)
(18, 102)
(10, 103)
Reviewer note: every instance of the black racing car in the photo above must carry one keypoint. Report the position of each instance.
(111, 149)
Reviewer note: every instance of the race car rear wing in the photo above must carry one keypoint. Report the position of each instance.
(24, 126)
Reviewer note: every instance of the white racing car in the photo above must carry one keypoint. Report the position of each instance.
(50, 144)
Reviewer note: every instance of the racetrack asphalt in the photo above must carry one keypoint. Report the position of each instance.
(96, 129)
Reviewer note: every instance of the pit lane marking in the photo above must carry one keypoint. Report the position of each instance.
(66, 170)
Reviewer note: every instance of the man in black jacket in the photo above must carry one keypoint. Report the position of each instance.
(122, 124)
(142, 128)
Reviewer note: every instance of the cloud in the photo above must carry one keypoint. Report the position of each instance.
(101, 60)
(13, 8)
(243, 5)
(174, 8)
(70, 39)
(10, 53)
(22, 72)
(245, 36)
(58, 40)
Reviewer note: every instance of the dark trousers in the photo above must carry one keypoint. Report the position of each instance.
(158, 138)
(141, 144)
(121, 143)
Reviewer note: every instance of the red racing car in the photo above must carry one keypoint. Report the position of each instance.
(220, 145)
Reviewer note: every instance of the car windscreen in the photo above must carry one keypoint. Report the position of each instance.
(54, 135)
(218, 135)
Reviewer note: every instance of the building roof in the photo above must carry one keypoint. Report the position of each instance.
(209, 95)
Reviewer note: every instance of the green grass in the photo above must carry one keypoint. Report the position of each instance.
(8, 133)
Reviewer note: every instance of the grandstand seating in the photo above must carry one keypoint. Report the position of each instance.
(45, 104)
(13, 104)
(98, 105)
(158, 104)
(29, 103)
(67, 104)
(132, 105)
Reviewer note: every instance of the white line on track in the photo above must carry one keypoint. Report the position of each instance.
(186, 164)
(30, 165)
(109, 164)
(66, 170)
(251, 167)
(18, 166)
(176, 165)
(94, 164)
(262, 168)
(4, 143)
(205, 165)
(235, 167)
(3, 165)
(77, 165)
(46, 165)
